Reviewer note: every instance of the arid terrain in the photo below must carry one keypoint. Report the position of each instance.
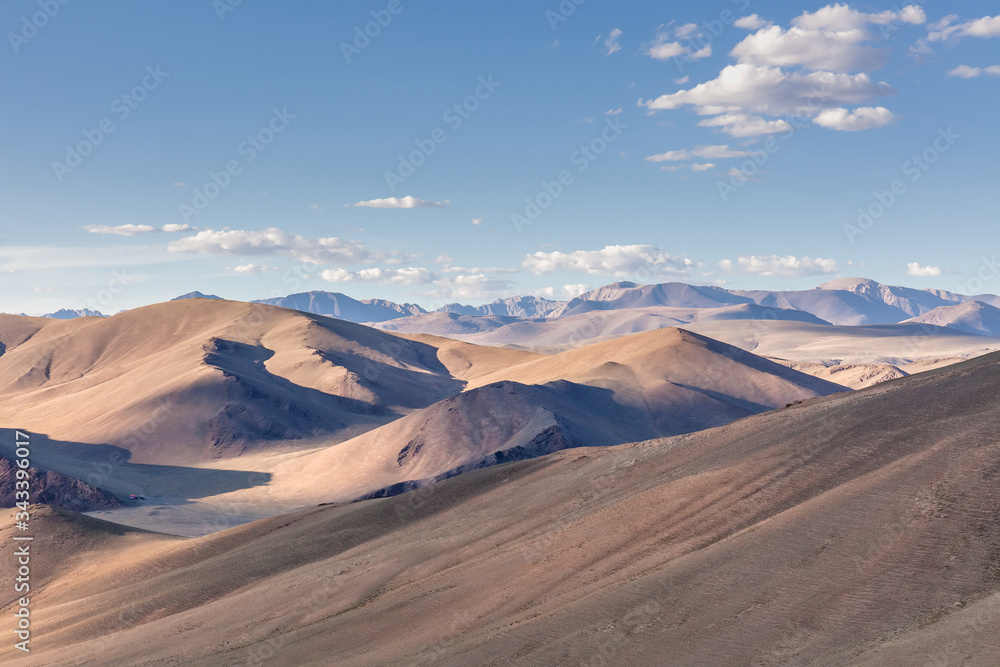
(858, 528)
(315, 491)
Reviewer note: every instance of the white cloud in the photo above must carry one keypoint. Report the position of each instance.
(837, 51)
(477, 286)
(613, 112)
(706, 152)
(407, 276)
(831, 39)
(841, 17)
(252, 269)
(681, 81)
(988, 26)
(966, 72)
(663, 47)
(176, 228)
(611, 44)
(695, 166)
(917, 271)
(752, 22)
(573, 291)
(949, 29)
(271, 241)
(120, 230)
(744, 125)
(618, 260)
(477, 221)
(774, 265)
(401, 202)
(862, 118)
(772, 91)
(686, 31)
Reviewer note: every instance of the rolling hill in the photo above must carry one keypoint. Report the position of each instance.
(970, 317)
(858, 528)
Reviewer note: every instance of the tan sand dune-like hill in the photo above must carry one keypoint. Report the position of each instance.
(378, 412)
(859, 528)
(200, 379)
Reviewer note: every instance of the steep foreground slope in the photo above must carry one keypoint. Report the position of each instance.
(860, 528)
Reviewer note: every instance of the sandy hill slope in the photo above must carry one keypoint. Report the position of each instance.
(855, 376)
(195, 379)
(896, 344)
(858, 528)
(970, 317)
(658, 383)
(16, 329)
(630, 295)
(582, 328)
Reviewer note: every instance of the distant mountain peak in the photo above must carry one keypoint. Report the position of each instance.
(196, 295)
(67, 314)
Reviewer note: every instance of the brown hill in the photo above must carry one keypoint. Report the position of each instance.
(199, 379)
(859, 528)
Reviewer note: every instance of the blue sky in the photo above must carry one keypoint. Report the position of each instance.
(748, 173)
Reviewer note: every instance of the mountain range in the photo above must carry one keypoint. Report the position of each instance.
(846, 301)
(368, 412)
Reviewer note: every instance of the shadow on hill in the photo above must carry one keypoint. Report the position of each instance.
(108, 468)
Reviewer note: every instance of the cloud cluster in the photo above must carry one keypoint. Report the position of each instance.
(966, 72)
(717, 152)
(775, 265)
(133, 230)
(621, 261)
(401, 202)
(753, 89)
(272, 241)
(862, 118)
(407, 276)
(917, 271)
(817, 68)
(665, 45)
(611, 45)
(834, 38)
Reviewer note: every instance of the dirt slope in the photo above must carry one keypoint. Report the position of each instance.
(859, 528)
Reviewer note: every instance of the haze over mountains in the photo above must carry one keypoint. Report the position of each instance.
(846, 301)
